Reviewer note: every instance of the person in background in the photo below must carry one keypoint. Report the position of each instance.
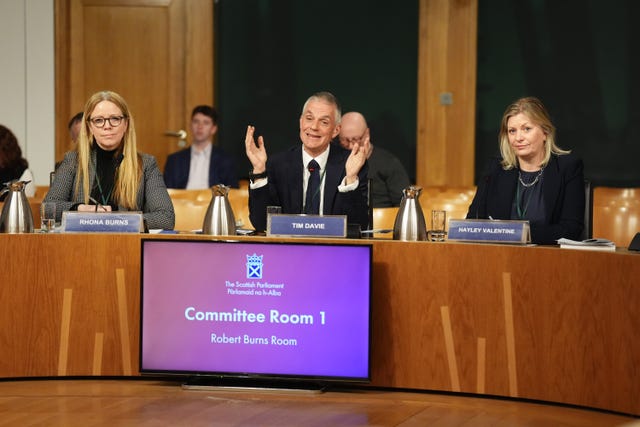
(203, 164)
(315, 177)
(75, 124)
(387, 175)
(534, 179)
(12, 165)
(105, 172)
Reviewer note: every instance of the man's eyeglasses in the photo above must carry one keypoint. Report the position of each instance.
(354, 139)
(113, 121)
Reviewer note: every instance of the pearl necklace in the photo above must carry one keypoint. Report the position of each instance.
(531, 184)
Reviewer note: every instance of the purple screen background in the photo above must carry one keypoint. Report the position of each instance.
(317, 278)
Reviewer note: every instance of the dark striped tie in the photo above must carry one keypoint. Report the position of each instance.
(312, 202)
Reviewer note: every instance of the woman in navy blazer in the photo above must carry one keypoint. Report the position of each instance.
(534, 180)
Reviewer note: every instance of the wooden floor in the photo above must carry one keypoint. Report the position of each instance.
(89, 402)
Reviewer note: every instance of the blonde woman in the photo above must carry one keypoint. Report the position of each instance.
(534, 179)
(105, 172)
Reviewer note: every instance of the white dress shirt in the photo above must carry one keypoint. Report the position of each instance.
(322, 162)
(199, 168)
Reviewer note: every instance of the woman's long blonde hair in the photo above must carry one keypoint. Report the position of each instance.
(532, 108)
(129, 172)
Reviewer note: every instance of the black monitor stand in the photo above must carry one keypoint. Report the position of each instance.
(266, 385)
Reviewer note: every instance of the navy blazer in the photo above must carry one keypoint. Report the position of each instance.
(285, 188)
(221, 169)
(562, 188)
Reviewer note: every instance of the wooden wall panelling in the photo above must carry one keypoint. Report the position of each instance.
(158, 54)
(62, 77)
(445, 146)
(199, 71)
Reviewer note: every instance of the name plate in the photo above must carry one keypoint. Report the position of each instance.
(489, 230)
(307, 225)
(102, 222)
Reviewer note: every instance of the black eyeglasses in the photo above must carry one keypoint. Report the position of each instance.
(355, 139)
(113, 121)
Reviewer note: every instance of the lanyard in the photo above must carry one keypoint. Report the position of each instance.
(105, 200)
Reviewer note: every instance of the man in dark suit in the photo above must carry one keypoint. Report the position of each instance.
(202, 165)
(284, 180)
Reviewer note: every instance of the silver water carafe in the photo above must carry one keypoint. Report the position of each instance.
(219, 219)
(410, 224)
(16, 214)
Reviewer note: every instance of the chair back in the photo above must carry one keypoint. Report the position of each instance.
(453, 199)
(41, 191)
(191, 206)
(35, 204)
(189, 213)
(239, 201)
(384, 219)
(243, 184)
(616, 214)
(196, 195)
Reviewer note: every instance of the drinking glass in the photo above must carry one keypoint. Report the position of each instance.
(47, 217)
(274, 210)
(438, 225)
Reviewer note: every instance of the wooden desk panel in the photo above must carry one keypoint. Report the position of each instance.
(65, 301)
(570, 336)
(530, 322)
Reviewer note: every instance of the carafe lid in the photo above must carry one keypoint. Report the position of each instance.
(16, 185)
(220, 190)
(412, 192)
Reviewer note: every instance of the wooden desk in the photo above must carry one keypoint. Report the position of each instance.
(529, 322)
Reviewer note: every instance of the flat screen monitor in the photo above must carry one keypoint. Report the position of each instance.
(267, 310)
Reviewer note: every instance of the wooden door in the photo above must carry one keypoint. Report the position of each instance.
(157, 54)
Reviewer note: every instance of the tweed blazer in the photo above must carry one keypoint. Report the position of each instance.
(285, 188)
(562, 189)
(152, 197)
